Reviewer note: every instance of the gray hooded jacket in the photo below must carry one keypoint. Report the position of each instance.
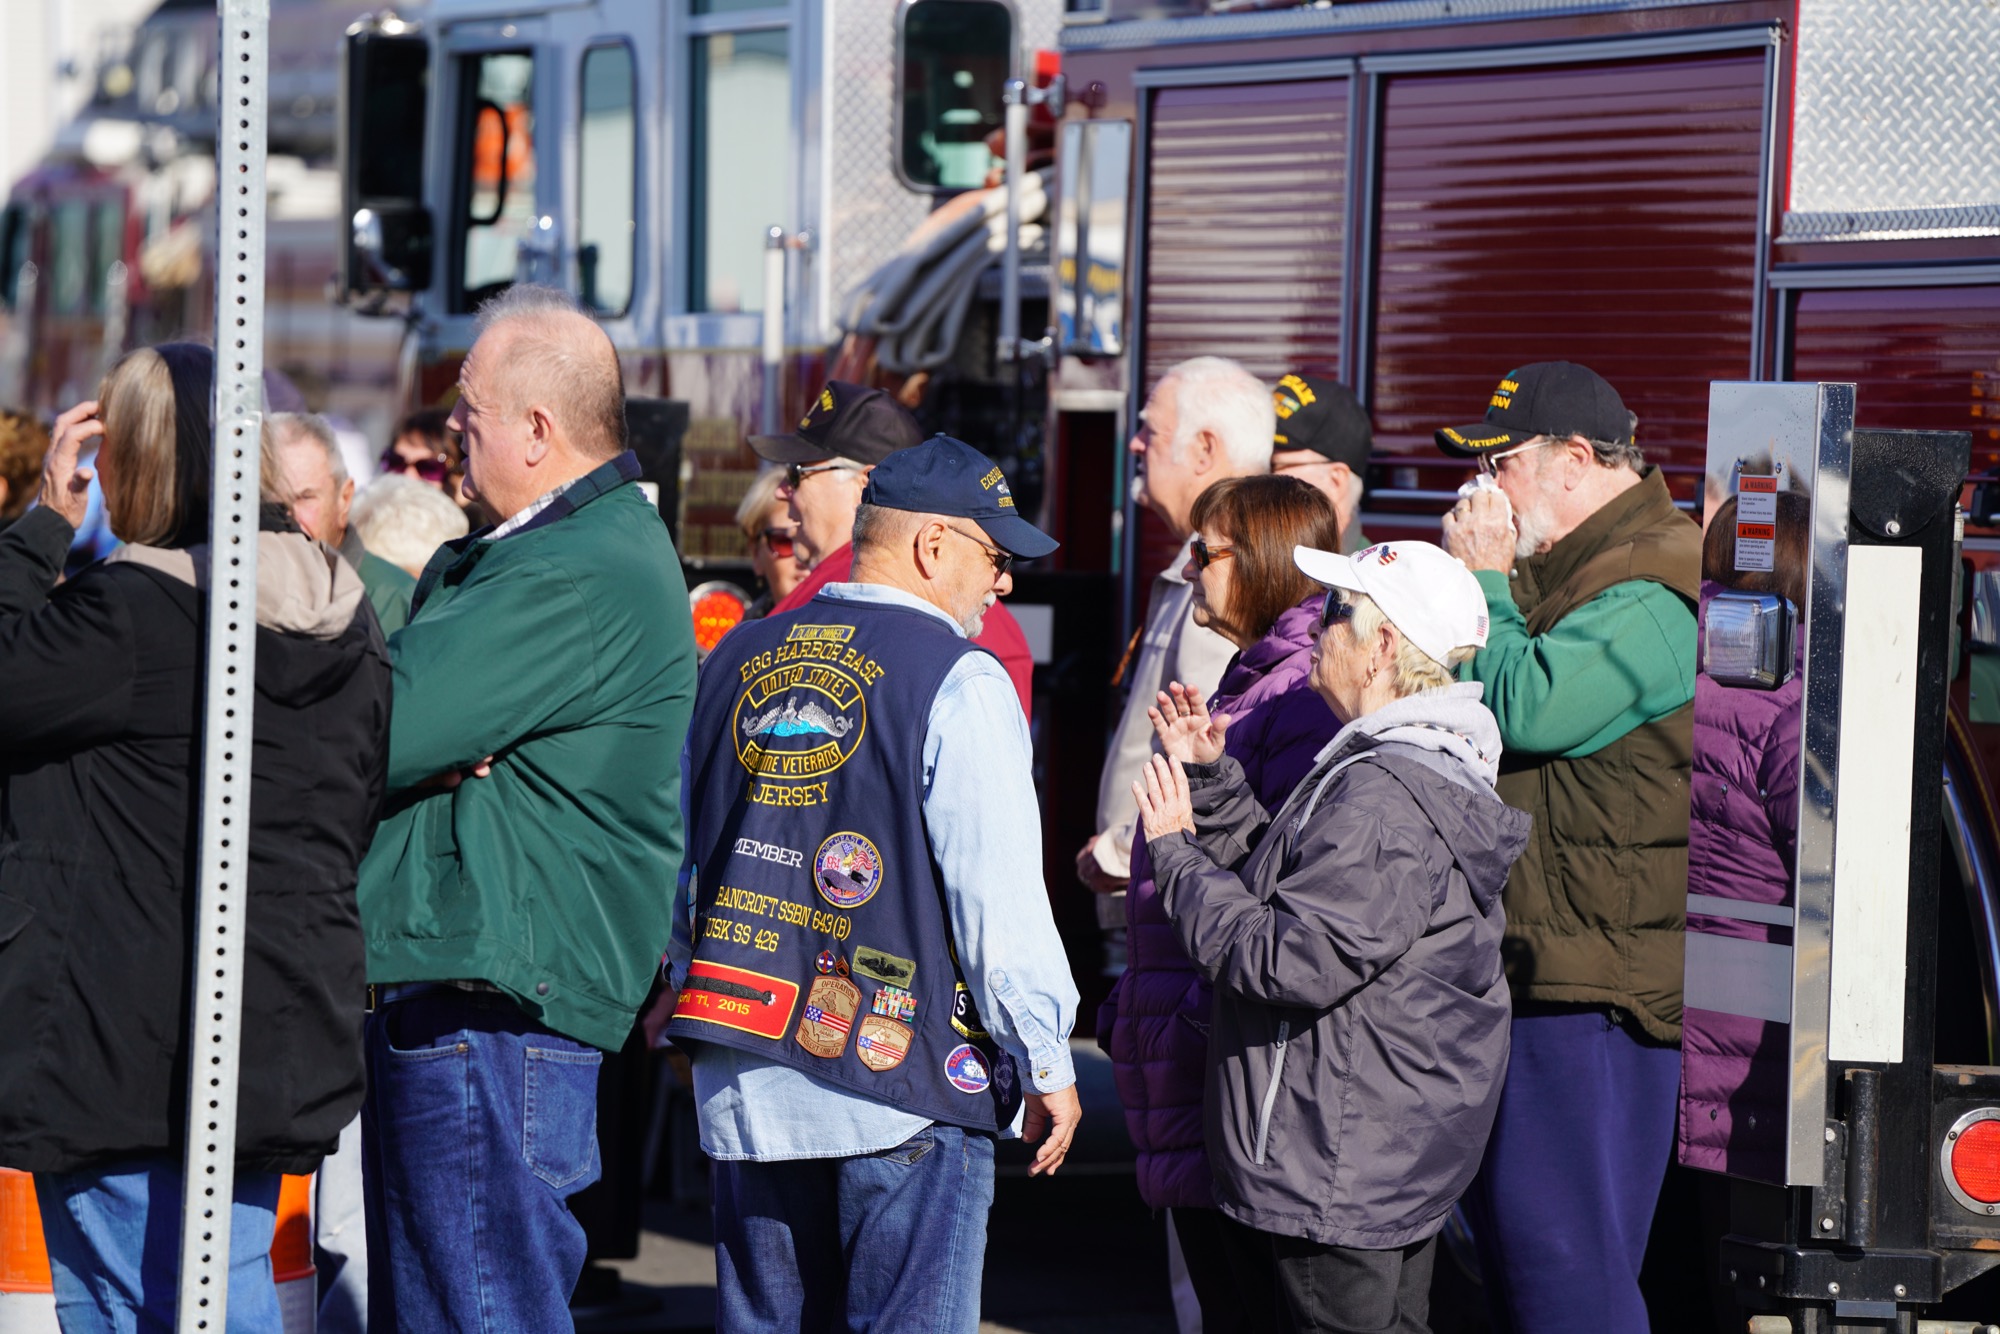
(1360, 1027)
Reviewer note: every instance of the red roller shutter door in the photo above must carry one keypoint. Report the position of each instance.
(1605, 214)
(1920, 359)
(1245, 201)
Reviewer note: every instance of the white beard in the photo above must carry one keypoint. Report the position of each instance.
(1532, 528)
(976, 622)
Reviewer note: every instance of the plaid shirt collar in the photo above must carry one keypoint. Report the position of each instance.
(566, 499)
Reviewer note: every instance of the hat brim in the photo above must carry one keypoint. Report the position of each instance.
(787, 449)
(1019, 538)
(1328, 568)
(1469, 442)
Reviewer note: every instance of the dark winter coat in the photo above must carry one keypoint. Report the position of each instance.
(1155, 1024)
(100, 713)
(1742, 845)
(1360, 1029)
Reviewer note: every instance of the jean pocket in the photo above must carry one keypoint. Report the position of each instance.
(559, 1120)
(911, 1151)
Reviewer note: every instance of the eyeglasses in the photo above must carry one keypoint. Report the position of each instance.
(433, 470)
(1002, 560)
(1335, 609)
(778, 540)
(798, 472)
(1206, 555)
(1490, 463)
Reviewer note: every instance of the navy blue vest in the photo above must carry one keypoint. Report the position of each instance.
(821, 940)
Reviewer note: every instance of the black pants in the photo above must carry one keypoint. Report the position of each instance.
(1251, 1282)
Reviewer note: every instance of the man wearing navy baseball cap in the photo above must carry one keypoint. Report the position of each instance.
(867, 973)
(1591, 576)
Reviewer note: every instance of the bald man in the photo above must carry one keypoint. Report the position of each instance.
(515, 921)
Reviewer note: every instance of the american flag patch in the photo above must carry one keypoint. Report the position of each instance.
(839, 1023)
(1482, 622)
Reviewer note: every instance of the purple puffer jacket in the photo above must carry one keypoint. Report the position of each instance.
(1155, 1024)
(1742, 842)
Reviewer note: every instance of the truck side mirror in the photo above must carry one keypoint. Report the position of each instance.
(386, 244)
(954, 58)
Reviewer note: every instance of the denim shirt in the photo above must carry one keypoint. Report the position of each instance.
(984, 822)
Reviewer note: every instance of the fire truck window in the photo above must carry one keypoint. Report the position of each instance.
(71, 259)
(107, 250)
(740, 163)
(496, 172)
(607, 178)
(955, 63)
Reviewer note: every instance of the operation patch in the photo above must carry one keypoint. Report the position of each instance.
(847, 870)
(715, 993)
(885, 968)
(882, 1043)
(829, 1016)
(966, 1069)
(964, 1014)
(895, 1003)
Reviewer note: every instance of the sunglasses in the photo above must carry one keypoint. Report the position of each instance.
(798, 472)
(432, 470)
(1206, 555)
(777, 540)
(1334, 610)
(1002, 560)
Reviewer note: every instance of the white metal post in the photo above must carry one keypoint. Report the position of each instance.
(774, 324)
(1015, 98)
(216, 962)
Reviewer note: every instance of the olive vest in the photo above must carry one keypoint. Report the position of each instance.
(1597, 905)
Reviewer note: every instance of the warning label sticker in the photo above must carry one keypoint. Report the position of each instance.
(1756, 523)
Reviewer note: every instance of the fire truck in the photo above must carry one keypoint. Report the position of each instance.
(1783, 196)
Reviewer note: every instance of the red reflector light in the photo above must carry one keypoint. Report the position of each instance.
(718, 608)
(1975, 1161)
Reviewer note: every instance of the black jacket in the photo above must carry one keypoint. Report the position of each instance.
(100, 715)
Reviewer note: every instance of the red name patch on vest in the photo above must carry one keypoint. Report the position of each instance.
(715, 993)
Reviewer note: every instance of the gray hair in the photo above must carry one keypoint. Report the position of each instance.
(1216, 394)
(403, 520)
(291, 427)
(877, 526)
(1414, 670)
(560, 358)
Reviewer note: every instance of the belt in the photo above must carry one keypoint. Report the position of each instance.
(387, 994)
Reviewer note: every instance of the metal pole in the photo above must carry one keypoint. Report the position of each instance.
(1015, 94)
(774, 324)
(216, 967)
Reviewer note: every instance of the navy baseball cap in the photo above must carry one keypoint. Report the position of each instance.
(949, 477)
(1558, 398)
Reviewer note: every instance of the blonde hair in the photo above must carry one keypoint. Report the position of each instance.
(757, 502)
(1415, 670)
(156, 446)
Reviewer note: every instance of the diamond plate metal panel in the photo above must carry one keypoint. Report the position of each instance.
(1893, 131)
(868, 210)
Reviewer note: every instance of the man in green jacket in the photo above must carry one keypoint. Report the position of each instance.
(516, 899)
(1591, 576)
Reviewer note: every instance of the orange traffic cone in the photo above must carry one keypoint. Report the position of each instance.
(27, 1299)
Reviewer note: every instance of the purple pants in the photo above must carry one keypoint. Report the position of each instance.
(1564, 1201)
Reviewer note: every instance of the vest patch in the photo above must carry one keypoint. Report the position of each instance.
(966, 1069)
(884, 967)
(716, 993)
(964, 1014)
(829, 1016)
(882, 1043)
(847, 870)
(894, 1003)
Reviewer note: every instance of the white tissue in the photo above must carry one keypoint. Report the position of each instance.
(1482, 482)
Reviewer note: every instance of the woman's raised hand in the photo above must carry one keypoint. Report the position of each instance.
(1186, 729)
(1164, 803)
(66, 487)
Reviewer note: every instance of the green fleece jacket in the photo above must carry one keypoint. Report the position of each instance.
(565, 651)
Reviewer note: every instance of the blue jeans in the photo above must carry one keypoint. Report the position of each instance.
(1564, 1201)
(480, 1124)
(114, 1240)
(888, 1242)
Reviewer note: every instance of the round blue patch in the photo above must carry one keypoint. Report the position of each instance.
(848, 870)
(966, 1069)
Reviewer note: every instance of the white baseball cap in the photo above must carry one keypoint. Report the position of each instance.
(1427, 593)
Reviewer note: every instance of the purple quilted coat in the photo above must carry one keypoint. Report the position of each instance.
(1742, 842)
(1155, 1024)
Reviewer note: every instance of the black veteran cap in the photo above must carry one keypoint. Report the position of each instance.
(1558, 398)
(1323, 416)
(846, 421)
(949, 477)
